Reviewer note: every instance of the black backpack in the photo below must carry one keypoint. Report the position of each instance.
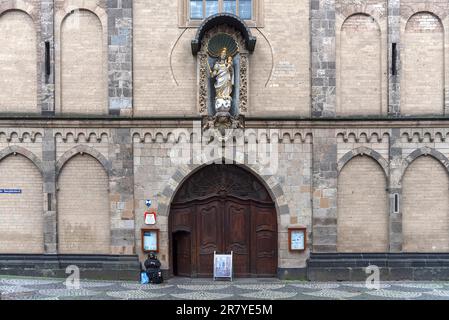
(155, 276)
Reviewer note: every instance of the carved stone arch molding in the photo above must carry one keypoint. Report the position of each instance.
(13, 150)
(363, 151)
(233, 26)
(183, 172)
(424, 151)
(82, 149)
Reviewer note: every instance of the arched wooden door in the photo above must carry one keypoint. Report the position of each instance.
(223, 208)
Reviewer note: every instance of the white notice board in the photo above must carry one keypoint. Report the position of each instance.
(222, 265)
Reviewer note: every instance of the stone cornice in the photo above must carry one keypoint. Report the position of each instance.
(188, 122)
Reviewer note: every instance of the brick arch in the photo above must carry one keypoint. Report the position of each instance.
(353, 31)
(25, 98)
(89, 5)
(362, 196)
(424, 71)
(428, 8)
(22, 228)
(28, 13)
(424, 151)
(363, 151)
(61, 14)
(24, 152)
(353, 15)
(183, 172)
(81, 150)
(21, 6)
(84, 214)
(70, 12)
(415, 14)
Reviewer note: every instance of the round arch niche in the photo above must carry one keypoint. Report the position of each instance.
(223, 208)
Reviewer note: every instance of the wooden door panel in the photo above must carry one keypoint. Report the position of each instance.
(209, 235)
(182, 243)
(224, 208)
(182, 219)
(237, 236)
(266, 253)
(265, 219)
(265, 235)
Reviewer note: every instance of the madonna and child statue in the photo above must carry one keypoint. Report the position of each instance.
(222, 82)
(223, 74)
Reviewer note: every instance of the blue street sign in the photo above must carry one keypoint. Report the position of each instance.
(148, 203)
(11, 191)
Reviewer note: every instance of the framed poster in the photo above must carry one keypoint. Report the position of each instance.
(150, 240)
(222, 265)
(297, 239)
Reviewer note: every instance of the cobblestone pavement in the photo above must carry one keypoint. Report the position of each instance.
(13, 288)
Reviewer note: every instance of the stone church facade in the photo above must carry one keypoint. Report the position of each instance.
(105, 104)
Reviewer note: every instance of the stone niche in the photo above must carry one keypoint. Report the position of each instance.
(220, 31)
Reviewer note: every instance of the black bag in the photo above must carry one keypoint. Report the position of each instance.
(155, 276)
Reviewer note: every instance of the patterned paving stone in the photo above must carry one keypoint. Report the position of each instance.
(207, 289)
(394, 294)
(317, 285)
(30, 282)
(15, 289)
(421, 285)
(199, 295)
(138, 286)
(203, 287)
(134, 294)
(37, 297)
(438, 293)
(260, 286)
(363, 285)
(333, 294)
(95, 284)
(269, 295)
(68, 292)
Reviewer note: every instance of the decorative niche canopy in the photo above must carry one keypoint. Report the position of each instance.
(227, 19)
(222, 45)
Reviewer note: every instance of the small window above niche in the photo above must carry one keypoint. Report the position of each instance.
(193, 12)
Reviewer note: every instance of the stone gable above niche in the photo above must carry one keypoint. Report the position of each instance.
(222, 45)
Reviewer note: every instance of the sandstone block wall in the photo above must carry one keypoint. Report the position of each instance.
(360, 67)
(21, 219)
(321, 58)
(163, 63)
(82, 73)
(423, 76)
(426, 207)
(134, 58)
(157, 176)
(18, 56)
(362, 207)
(83, 207)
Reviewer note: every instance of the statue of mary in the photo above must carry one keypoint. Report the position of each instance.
(223, 72)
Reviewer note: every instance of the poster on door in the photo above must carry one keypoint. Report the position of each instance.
(222, 266)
